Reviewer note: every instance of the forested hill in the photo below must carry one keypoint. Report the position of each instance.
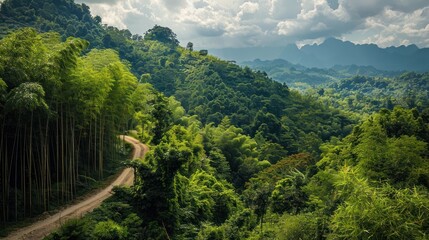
(63, 101)
(61, 16)
(233, 153)
(205, 85)
(297, 76)
(366, 95)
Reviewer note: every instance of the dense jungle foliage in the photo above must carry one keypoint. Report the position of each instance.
(234, 154)
(365, 95)
(60, 116)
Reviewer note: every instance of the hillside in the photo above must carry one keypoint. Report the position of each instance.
(214, 90)
(361, 90)
(206, 86)
(365, 95)
(233, 153)
(303, 78)
(63, 16)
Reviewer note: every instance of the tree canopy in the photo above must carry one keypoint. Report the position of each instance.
(234, 154)
(162, 34)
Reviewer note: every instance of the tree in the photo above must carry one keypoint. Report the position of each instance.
(378, 212)
(61, 113)
(388, 150)
(98, 19)
(109, 230)
(71, 229)
(162, 34)
(154, 186)
(190, 46)
(27, 97)
(299, 226)
(257, 196)
(288, 194)
(206, 198)
(162, 116)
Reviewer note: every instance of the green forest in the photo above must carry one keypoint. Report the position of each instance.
(233, 153)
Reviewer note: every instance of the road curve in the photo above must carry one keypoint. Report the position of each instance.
(42, 228)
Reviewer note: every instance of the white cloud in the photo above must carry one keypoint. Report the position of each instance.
(317, 19)
(398, 28)
(113, 12)
(396, 22)
(247, 9)
(219, 23)
(285, 9)
(174, 5)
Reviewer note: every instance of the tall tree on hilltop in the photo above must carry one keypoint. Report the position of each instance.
(162, 34)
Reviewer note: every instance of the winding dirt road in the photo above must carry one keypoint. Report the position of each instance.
(40, 229)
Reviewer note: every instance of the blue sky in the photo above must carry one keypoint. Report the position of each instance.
(244, 23)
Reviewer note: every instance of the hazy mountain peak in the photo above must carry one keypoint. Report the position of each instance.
(334, 51)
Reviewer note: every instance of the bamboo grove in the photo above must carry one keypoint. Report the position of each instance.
(60, 114)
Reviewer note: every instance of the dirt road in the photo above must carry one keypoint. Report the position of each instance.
(40, 229)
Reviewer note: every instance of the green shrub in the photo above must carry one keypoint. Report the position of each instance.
(109, 230)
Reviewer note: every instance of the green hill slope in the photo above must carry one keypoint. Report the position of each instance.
(205, 85)
(234, 154)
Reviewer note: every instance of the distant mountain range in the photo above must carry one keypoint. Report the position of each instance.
(333, 52)
(299, 77)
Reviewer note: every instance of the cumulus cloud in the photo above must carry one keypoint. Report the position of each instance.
(284, 9)
(204, 20)
(317, 19)
(174, 5)
(200, 4)
(396, 28)
(247, 10)
(394, 20)
(220, 23)
(113, 12)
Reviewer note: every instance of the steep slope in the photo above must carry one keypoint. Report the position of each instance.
(205, 85)
(62, 16)
(224, 170)
(214, 89)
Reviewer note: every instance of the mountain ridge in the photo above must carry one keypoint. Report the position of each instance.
(337, 52)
